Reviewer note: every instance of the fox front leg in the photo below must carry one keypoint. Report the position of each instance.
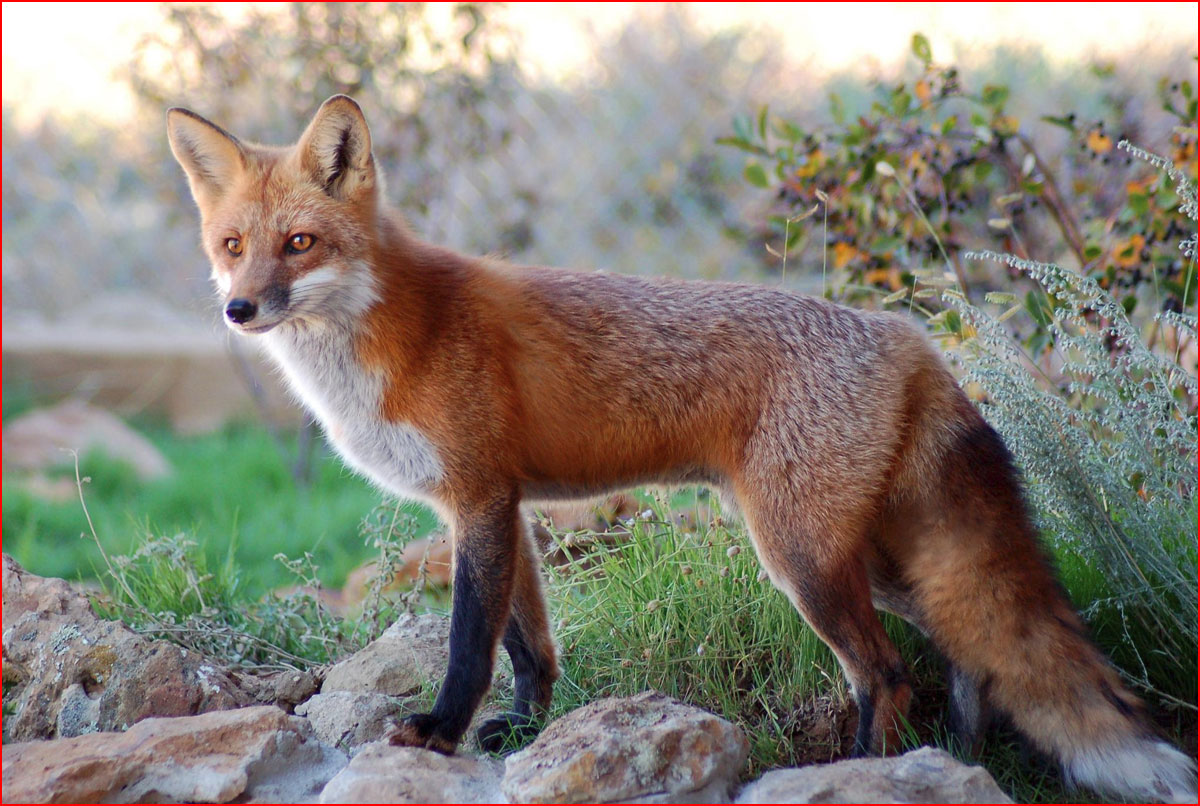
(486, 544)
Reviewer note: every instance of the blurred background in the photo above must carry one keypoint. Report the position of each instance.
(628, 137)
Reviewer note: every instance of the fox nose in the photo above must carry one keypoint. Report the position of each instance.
(240, 311)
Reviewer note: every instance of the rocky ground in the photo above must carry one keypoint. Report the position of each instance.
(101, 714)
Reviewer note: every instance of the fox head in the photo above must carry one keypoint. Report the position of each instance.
(289, 231)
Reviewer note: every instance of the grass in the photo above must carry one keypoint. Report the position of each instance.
(232, 492)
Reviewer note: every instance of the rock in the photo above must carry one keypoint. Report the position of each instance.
(382, 773)
(410, 654)
(348, 720)
(39, 439)
(643, 749)
(925, 775)
(254, 754)
(292, 688)
(434, 551)
(81, 674)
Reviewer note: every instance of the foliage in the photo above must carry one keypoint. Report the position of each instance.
(427, 85)
(935, 167)
(1109, 450)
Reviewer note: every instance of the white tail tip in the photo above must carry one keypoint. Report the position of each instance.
(1136, 769)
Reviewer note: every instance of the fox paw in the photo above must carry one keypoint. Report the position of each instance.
(421, 730)
(506, 733)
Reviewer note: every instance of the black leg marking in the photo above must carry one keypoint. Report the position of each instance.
(532, 687)
(484, 561)
(866, 720)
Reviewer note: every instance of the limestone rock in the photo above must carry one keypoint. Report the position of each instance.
(412, 652)
(382, 773)
(254, 754)
(348, 720)
(81, 674)
(643, 749)
(925, 775)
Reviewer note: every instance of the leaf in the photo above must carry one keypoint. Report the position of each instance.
(1065, 123)
(804, 215)
(999, 223)
(995, 95)
(743, 144)
(1009, 314)
(1000, 297)
(923, 92)
(895, 296)
(884, 169)
(1099, 142)
(755, 175)
(1006, 125)
(773, 251)
(921, 49)
(787, 130)
(741, 127)
(762, 123)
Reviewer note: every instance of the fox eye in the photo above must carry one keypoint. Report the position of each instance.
(234, 246)
(300, 243)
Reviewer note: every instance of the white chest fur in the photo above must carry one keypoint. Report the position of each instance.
(321, 366)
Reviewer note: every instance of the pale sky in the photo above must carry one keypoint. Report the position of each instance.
(65, 54)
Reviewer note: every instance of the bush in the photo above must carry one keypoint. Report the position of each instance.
(1108, 450)
(1093, 389)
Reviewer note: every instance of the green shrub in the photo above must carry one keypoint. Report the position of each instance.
(1108, 448)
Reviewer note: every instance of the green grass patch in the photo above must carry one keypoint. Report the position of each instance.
(232, 492)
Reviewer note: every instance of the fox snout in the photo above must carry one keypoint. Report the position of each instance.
(240, 310)
(250, 308)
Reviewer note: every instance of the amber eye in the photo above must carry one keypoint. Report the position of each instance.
(300, 243)
(234, 245)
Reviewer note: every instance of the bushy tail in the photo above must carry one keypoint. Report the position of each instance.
(992, 603)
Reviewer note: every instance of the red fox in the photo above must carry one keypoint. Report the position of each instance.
(865, 476)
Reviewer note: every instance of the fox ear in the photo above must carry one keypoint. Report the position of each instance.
(336, 148)
(211, 156)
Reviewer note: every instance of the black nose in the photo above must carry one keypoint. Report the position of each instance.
(240, 311)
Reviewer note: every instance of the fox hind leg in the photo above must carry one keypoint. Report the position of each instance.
(969, 714)
(826, 580)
